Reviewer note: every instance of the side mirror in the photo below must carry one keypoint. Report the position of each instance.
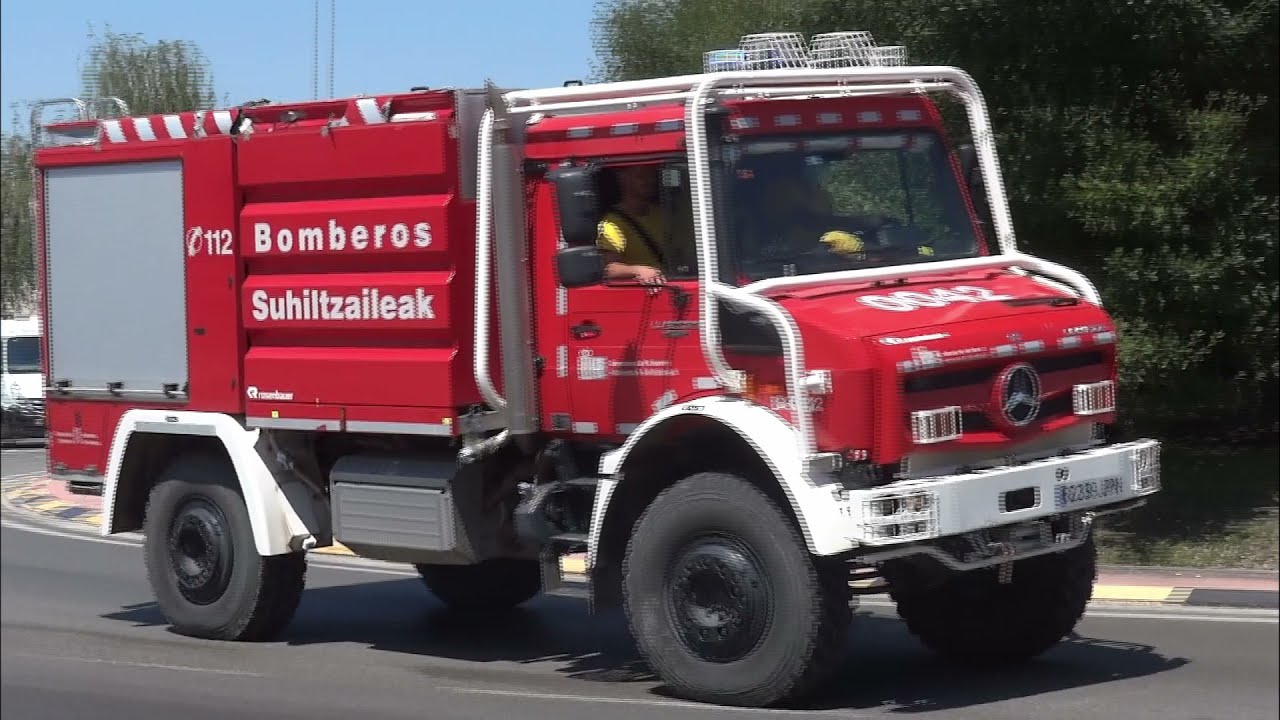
(580, 266)
(968, 157)
(577, 203)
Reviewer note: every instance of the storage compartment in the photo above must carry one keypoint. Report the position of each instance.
(116, 279)
(416, 518)
(413, 509)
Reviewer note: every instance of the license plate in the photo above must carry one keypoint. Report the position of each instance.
(1086, 491)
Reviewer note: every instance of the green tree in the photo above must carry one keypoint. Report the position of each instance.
(17, 267)
(1138, 144)
(151, 77)
(159, 76)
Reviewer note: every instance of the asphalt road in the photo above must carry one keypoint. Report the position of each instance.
(80, 637)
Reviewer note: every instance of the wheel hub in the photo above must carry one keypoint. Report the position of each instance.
(200, 551)
(719, 599)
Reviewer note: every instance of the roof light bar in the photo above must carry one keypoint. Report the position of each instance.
(841, 49)
(771, 51)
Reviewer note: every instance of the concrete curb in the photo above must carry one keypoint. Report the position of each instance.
(1142, 585)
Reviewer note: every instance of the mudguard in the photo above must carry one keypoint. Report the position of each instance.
(814, 497)
(277, 526)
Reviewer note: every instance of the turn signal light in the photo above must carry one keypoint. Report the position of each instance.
(1094, 398)
(935, 426)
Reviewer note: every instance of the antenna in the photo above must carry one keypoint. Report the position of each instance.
(333, 28)
(315, 51)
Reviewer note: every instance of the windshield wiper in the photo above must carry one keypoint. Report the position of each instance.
(1054, 300)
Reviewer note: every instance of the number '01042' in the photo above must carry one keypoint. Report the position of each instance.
(909, 300)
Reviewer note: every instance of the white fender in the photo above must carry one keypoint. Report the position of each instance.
(275, 522)
(814, 497)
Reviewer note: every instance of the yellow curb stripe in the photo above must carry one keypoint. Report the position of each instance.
(49, 506)
(1179, 596)
(94, 519)
(336, 548)
(23, 494)
(1132, 593)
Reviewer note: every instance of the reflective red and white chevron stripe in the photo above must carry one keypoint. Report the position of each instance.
(176, 126)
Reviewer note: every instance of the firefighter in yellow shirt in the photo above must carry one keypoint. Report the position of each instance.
(632, 233)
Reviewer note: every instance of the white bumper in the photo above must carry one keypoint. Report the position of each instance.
(914, 510)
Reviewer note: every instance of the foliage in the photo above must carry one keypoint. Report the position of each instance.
(16, 247)
(150, 77)
(1138, 144)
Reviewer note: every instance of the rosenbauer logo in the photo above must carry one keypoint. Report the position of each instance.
(369, 304)
(337, 238)
(255, 394)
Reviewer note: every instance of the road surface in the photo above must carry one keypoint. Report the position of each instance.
(80, 638)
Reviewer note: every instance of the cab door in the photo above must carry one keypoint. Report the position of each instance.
(632, 349)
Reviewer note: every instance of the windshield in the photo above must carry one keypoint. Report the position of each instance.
(824, 203)
(22, 355)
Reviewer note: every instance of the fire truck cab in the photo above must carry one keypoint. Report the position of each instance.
(387, 322)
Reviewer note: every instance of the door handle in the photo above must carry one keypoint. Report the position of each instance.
(585, 330)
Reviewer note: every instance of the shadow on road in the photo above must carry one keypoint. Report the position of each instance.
(885, 667)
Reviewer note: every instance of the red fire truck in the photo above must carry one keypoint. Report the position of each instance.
(385, 321)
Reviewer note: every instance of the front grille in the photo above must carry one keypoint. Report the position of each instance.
(32, 408)
(986, 374)
(1051, 409)
(972, 387)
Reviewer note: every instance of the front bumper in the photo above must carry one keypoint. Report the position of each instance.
(910, 511)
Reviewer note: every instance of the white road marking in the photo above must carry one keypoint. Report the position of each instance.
(646, 702)
(126, 663)
(1197, 614)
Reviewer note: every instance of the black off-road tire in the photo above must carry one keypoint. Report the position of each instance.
(495, 584)
(972, 618)
(784, 614)
(231, 592)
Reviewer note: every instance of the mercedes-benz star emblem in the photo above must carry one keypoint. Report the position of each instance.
(1018, 392)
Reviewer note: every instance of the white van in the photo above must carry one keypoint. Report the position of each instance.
(22, 379)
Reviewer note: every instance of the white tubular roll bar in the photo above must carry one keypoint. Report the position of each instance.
(84, 110)
(484, 265)
(696, 91)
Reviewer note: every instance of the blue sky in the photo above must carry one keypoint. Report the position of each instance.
(264, 49)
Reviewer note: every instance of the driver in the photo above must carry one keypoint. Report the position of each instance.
(805, 209)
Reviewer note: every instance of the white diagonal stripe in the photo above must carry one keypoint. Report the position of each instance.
(113, 130)
(142, 126)
(369, 111)
(173, 126)
(222, 118)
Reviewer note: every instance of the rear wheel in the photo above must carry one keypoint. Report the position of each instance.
(205, 571)
(972, 618)
(724, 600)
(495, 584)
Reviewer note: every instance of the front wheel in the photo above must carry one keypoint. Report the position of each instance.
(205, 571)
(724, 600)
(973, 618)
